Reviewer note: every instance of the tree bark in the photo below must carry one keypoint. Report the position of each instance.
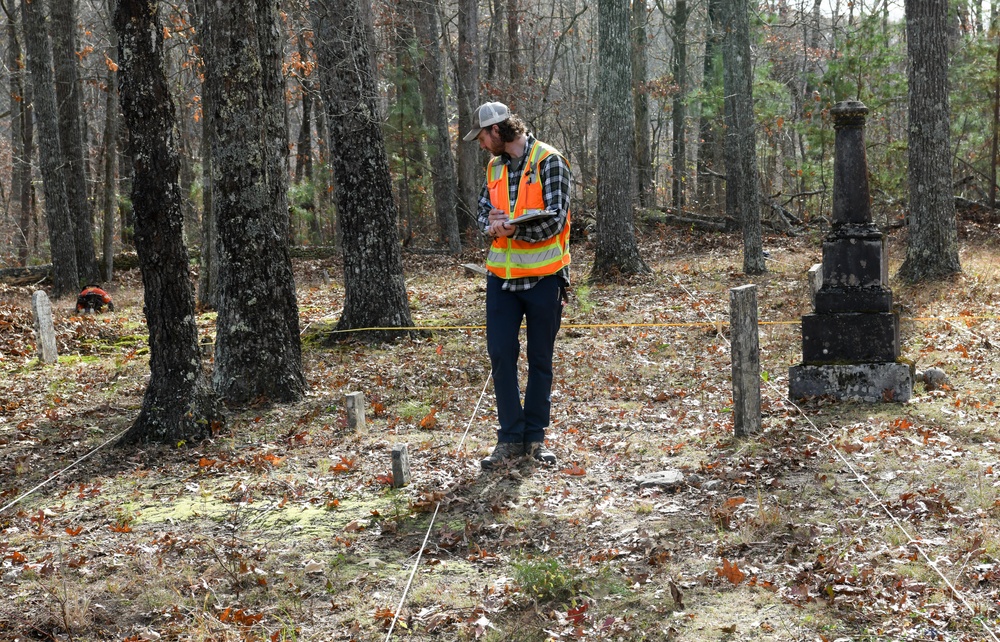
(995, 143)
(208, 267)
(178, 405)
(679, 104)
(616, 252)
(208, 273)
(497, 58)
(375, 292)
(257, 347)
(513, 42)
(303, 148)
(110, 154)
(57, 214)
(67, 77)
(742, 183)
(405, 118)
(708, 148)
(932, 241)
(435, 110)
(467, 72)
(21, 141)
(640, 98)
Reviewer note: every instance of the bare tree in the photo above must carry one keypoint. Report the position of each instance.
(22, 191)
(303, 148)
(435, 110)
(679, 111)
(179, 405)
(467, 72)
(708, 149)
(375, 293)
(616, 251)
(57, 214)
(208, 261)
(110, 200)
(67, 76)
(258, 353)
(932, 241)
(640, 98)
(742, 183)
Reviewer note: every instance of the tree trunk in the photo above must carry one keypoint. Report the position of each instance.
(707, 125)
(208, 264)
(110, 154)
(304, 158)
(178, 405)
(497, 59)
(679, 106)
(325, 207)
(57, 214)
(303, 148)
(374, 289)
(640, 98)
(995, 143)
(932, 241)
(742, 184)
(21, 142)
(616, 251)
(257, 347)
(513, 43)
(64, 54)
(185, 148)
(404, 121)
(425, 19)
(467, 72)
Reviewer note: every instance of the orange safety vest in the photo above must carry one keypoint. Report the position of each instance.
(511, 258)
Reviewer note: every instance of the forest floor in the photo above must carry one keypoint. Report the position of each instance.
(839, 521)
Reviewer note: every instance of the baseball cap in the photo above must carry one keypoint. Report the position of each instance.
(487, 114)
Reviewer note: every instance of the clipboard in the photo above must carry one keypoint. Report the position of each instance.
(530, 216)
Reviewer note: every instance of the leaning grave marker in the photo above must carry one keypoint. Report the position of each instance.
(45, 332)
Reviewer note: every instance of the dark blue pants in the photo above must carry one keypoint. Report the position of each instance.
(541, 307)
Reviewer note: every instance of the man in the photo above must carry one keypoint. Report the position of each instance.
(524, 208)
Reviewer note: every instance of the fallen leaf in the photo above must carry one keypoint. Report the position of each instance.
(574, 470)
(730, 571)
(430, 420)
(676, 594)
(354, 527)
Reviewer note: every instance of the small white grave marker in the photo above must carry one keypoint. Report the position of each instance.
(400, 466)
(45, 332)
(355, 403)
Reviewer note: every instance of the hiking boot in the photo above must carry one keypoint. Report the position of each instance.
(539, 452)
(504, 450)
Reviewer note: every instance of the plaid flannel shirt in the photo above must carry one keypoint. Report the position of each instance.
(556, 178)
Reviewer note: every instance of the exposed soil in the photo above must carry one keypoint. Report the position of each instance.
(839, 521)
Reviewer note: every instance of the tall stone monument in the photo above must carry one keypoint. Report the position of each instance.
(850, 343)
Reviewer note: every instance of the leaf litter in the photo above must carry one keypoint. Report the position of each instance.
(287, 525)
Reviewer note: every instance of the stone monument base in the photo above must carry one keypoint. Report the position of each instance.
(868, 382)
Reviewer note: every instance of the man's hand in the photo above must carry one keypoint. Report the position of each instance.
(499, 225)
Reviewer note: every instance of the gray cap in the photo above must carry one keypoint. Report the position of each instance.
(487, 114)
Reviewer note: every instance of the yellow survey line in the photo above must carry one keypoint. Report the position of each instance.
(688, 324)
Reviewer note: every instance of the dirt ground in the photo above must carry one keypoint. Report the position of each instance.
(839, 521)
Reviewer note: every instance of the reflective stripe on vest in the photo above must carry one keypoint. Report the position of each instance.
(511, 258)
